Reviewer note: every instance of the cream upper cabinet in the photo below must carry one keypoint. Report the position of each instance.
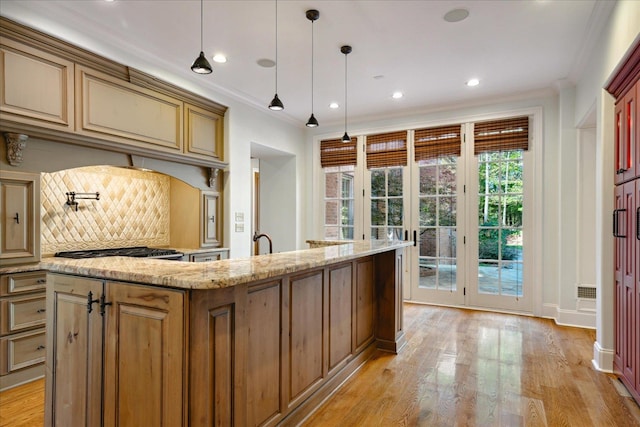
(203, 132)
(123, 112)
(36, 87)
(20, 213)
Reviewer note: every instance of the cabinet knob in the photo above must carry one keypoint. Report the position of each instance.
(41, 310)
(17, 218)
(41, 281)
(40, 347)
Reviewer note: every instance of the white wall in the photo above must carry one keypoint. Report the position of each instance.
(618, 35)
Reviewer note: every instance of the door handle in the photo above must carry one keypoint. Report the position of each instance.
(616, 223)
(415, 238)
(406, 235)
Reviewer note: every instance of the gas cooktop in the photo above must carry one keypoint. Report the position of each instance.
(138, 252)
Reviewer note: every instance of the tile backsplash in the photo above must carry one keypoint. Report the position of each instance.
(133, 209)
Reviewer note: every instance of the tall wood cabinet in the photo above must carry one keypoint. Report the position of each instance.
(625, 87)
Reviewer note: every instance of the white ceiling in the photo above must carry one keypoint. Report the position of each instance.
(513, 47)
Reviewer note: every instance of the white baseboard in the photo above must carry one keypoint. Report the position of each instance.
(579, 319)
(602, 358)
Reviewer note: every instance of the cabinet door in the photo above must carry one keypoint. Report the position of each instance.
(20, 213)
(144, 367)
(624, 232)
(73, 363)
(630, 133)
(203, 132)
(636, 124)
(123, 112)
(636, 325)
(209, 220)
(36, 88)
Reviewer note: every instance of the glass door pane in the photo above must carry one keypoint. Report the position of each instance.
(436, 276)
(339, 202)
(387, 203)
(500, 237)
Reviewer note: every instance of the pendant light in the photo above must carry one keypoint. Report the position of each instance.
(312, 15)
(346, 50)
(201, 65)
(276, 104)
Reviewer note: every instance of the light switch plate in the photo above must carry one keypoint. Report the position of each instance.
(239, 216)
(240, 228)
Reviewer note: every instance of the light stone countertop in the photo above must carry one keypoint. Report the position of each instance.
(19, 268)
(215, 274)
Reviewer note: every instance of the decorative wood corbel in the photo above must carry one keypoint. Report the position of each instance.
(213, 177)
(16, 142)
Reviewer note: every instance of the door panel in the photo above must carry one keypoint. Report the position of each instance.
(437, 277)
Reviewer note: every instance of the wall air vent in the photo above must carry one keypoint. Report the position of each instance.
(586, 292)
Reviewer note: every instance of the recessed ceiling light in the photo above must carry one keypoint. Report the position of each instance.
(397, 95)
(266, 63)
(473, 82)
(219, 58)
(456, 15)
(333, 105)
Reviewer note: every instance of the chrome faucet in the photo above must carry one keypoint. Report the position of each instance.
(257, 237)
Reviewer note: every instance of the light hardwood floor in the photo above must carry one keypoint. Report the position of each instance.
(459, 368)
(473, 368)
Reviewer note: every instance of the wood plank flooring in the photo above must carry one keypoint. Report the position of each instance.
(473, 368)
(459, 368)
(23, 406)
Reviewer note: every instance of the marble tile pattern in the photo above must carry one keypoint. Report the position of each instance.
(133, 209)
(215, 274)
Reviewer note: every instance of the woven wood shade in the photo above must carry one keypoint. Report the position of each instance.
(501, 135)
(387, 149)
(334, 152)
(439, 141)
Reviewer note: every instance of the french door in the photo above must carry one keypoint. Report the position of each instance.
(462, 193)
(471, 219)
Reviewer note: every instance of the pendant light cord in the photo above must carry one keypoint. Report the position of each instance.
(201, 24)
(345, 93)
(276, 47)
(312, 66)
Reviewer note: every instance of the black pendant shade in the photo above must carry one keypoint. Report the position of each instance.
(312, 122)
(346, 137)
(276, 104)
(201, 65)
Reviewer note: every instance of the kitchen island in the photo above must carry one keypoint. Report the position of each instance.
(244, 342)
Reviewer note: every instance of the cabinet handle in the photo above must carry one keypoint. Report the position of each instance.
(41, 310)
(41, 281)
(40, 347)
(212, 218)
(415, 238)
(17, 218)
(406, 235)
(103, 304)
(616, 223)
(90, 302)
(638, 224)
(621, 170)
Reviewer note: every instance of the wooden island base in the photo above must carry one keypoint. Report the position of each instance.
(258, 352)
